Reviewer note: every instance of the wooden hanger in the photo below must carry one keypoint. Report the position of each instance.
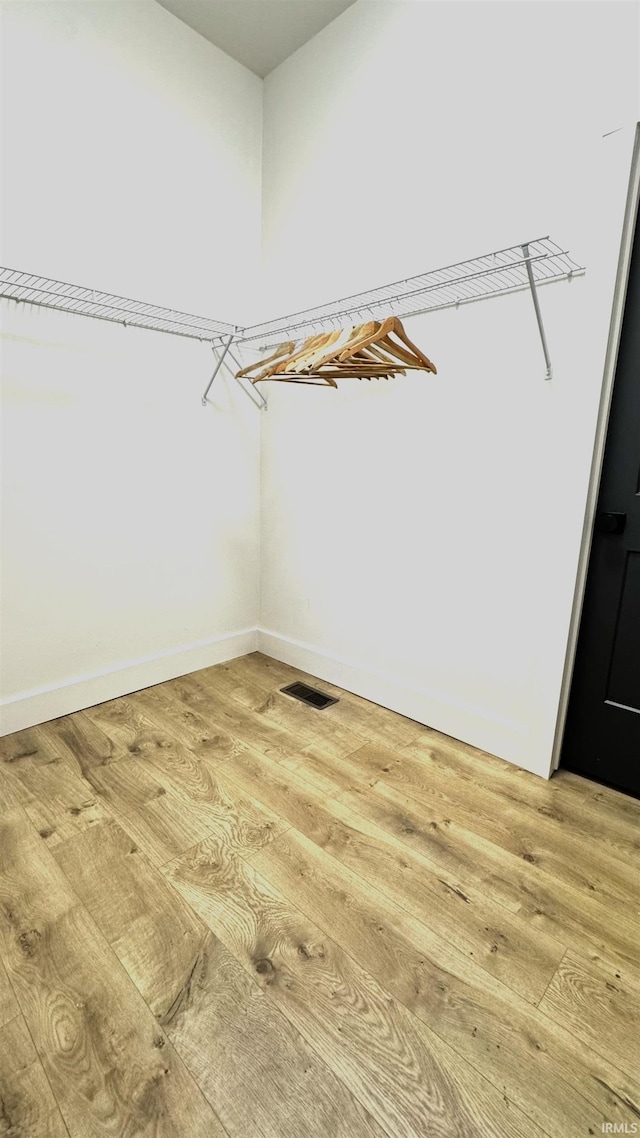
(298, 366)
(375, 330)
(381, 338)
(314, 359)
(356, 334)
(312, 356)
(306, 357)
(282, 350)
(366, 351)
(309, 345)
(398, 328)
(310, 378)
(352, 369)
(397, 352)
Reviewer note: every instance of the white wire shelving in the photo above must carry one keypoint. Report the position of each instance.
(82, 301)
(494, 274)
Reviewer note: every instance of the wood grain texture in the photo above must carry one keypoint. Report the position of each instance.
(601, 1009)
(155, 718)
(209, 703)
(580, 808)
(499, 1034)
(403, 1074)
(202, 714)
(470, 920)
(262, 717)
(224, 913)
(549, 905)
(8, 1004)
(20, 745)
(155, 935)
(27, 1106)
(57, 799)
(80, 742)
(164, 805)
(111, 1068)
(232, 817)
(367, 720)
(254, 1068)
(309, 725)
(161, 823)
(10, 796)
(538, 836)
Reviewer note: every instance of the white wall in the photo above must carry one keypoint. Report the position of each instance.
(132, 163)
(420, 537)
(131, 150)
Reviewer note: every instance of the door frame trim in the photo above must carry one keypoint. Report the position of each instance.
(606, 395)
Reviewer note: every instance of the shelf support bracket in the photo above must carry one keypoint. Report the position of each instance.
(536, 305)
(225, 348)
(251, 391)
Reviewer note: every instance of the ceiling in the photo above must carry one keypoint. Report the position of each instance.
(257, 33)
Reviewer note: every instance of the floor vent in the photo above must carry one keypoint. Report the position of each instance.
(309, 695)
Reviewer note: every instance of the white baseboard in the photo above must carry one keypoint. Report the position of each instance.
(507, 739)
(30, 708)
(502, 737)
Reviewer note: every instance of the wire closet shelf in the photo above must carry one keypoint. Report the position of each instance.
(507, 270)
(47, 293)
(494, 274)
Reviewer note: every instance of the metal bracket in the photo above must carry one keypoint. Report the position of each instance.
(536, 305)
(227, 344)
(259, 402)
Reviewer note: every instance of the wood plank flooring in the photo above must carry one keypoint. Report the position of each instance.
(225, 914)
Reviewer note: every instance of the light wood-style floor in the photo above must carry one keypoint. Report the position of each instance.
(225, 914)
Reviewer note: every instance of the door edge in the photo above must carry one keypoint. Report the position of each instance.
(602, 423)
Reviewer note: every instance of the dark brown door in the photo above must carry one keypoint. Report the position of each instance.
(602, 736)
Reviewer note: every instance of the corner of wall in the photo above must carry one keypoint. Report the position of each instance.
(30, 708)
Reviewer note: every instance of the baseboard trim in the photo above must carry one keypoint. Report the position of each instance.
(502, 737)
(30, 708)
